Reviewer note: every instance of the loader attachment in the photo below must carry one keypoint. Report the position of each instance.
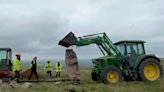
(68, 40)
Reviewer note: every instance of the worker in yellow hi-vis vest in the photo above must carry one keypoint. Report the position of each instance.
(58, 68)
(17, 67)
(49, 69)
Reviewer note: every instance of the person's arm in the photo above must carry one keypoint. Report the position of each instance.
(14, 66)
(61, 65)
(30, 66)
(20, 66)
(46, 66)
(37, 66)
(51, 65)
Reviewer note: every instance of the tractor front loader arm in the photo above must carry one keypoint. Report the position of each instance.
(100, 39)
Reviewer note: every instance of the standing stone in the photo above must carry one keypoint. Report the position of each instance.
(72, 66)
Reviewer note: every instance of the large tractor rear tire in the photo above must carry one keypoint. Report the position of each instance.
(111, 75)
(150, 70)
(94, 76)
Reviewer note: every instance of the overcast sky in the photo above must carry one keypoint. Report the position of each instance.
(34, 27)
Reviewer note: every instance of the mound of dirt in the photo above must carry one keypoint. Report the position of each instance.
(26, 74)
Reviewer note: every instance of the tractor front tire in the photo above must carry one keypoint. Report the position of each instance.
(94, 76)
(150, 70)
(110, 75)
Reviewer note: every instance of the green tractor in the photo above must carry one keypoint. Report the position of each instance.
(124, 59)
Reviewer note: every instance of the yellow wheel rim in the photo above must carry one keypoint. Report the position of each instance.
(112, 76)
(151, 72)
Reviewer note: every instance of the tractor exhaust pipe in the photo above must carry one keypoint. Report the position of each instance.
(68, 40)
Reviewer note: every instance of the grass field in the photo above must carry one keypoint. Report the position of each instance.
(87, 85)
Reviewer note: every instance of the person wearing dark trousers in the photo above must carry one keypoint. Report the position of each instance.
(17, 67)
(58, 68)
(49, 69)
(34, 66)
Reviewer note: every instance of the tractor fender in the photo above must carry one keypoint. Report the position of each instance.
(140, 59)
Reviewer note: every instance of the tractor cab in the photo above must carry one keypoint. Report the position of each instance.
(130, 50)
(5, 61)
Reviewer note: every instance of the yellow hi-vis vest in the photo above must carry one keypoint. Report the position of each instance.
(16, 65)
(58, 68)
(48, 67)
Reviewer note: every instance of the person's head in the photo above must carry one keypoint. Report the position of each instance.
(18, 56)
(49, 61)
(35, 58)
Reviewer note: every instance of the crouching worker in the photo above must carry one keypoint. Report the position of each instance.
(49, 69)
(58, 68)
(34, 66)
(17, 67)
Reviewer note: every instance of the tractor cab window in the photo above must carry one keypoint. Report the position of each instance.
(121, 48)
(3, 60)
(140, 48)
(134, 49)
(131, 49)
(3, 55)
